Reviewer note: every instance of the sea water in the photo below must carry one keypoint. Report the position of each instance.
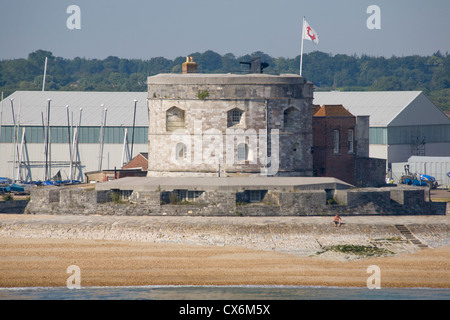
(223, 293)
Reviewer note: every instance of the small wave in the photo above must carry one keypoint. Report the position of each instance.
(256, 286)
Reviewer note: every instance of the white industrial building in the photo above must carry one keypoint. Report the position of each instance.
(100, 119)
(401, 124)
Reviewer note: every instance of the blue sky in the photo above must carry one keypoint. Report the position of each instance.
(170, 28)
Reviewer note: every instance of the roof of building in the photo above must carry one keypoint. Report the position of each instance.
(228, 183)
(224, 79)
(28, 106)
(387, 108)
(332, 111)
(139, 161)
(315, 108)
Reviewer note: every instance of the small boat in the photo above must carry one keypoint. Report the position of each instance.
(16, 188)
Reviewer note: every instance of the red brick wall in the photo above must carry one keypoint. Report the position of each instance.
(325, 162)
(109, 175)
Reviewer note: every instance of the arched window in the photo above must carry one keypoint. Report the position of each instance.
(234, 117)
(291, 117)
(242, 152)
(175, 119)
(350, 141)
(336, 141)
(180, 151)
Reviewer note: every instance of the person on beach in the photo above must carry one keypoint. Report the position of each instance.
(337, 220)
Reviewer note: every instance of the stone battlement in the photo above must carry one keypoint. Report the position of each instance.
(228, 86)
(232, 202)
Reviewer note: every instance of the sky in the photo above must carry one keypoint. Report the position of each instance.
(143, 29)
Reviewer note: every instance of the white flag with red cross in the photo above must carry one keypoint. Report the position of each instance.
(309, 33)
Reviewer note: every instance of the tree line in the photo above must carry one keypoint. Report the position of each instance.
(430, 74)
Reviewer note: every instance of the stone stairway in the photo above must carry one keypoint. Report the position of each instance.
(404, 230)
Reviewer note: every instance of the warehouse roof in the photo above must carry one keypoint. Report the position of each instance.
(28, 106)
(387, 108)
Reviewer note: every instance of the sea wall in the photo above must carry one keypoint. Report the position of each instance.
(366, 201)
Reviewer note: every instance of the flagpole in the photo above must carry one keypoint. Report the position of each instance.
(301, 50)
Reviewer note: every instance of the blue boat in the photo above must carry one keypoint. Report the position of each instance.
(16, 188)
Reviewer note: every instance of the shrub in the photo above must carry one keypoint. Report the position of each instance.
(173, 198)
(115, 197)
(8, 196)
(202, 94)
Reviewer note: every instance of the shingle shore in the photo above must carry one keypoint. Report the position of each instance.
(302, 236)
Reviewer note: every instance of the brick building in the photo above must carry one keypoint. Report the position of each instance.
(334, 150)
(402, 124)
(341, 147)
(136, 167)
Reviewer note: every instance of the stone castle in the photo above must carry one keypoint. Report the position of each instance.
(229, 125)
(230, 144)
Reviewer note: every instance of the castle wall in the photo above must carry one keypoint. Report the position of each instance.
(369, 201)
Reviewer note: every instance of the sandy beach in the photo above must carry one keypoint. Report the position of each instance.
(44, 262)
(30, 257)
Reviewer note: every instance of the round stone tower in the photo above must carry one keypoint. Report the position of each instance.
(229, 125)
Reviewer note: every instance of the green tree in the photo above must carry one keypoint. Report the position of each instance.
(430, 74)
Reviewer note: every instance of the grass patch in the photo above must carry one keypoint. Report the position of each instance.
(365, 251)
(202, 94)
(116, 198)
(332, 201)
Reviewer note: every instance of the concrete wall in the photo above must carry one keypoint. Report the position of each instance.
(362, 136)
(370, 172)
